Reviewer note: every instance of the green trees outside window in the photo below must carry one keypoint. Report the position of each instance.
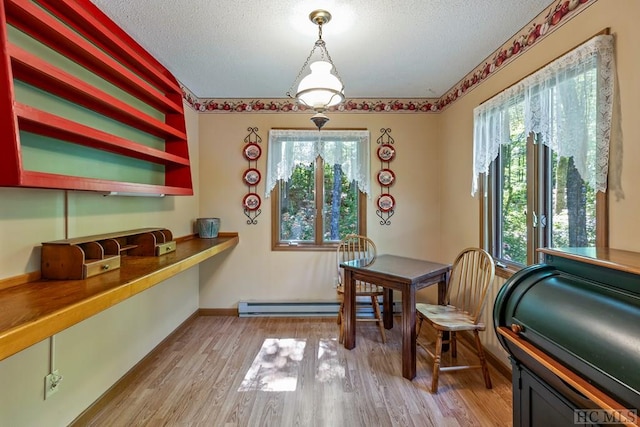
(337, 211)
(531, 178)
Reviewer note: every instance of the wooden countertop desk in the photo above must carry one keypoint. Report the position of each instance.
(35, 310)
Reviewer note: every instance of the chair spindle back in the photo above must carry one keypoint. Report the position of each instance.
(472, 273)
(354, 247)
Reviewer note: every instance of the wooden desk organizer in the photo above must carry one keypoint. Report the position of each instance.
(84, 257)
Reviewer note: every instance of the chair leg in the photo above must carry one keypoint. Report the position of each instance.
(436, 363)
(483, 360)
(454, 344)
(341, 323)
(378, 315)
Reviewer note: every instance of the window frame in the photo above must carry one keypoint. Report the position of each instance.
(538, 200)
(319, 244)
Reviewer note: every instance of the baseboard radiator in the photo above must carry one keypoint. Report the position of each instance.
(303, 308)
(488, 336)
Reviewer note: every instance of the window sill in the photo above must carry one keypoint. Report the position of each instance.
(506, 270)
(300, 247)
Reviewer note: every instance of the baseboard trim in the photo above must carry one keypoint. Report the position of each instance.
(89, 413)
(233, 312)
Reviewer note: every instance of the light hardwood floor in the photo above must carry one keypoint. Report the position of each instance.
(230, 371)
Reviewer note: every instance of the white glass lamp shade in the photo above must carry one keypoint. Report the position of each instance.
(320, 89)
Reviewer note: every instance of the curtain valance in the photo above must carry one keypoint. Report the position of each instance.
(289, 148)
(568, 103)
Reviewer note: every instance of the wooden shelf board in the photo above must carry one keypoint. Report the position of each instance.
(66, 182)
(34, 21)
(33, 311)
(43, 123)
(39, 73)
(110, 38)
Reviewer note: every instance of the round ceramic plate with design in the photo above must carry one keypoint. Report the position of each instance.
(252, 151)
(251, 176)
(386, 202)
(386, 152)
(251, 201)
(386, 177)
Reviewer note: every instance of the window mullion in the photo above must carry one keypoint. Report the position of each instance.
(319, 200)
(495, 204)
(545, 197)
(532, 197)
(602, 219)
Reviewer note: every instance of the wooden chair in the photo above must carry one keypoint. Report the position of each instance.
(353, 247)
(471, 275)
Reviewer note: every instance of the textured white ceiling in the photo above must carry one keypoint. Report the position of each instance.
(381, 48)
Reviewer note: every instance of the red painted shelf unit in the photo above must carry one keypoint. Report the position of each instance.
(79, 32)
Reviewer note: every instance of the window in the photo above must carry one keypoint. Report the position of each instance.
(564, 208)
(543, 146)
(318, 181)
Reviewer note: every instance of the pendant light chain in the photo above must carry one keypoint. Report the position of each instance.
(304, 67)
(323, 51)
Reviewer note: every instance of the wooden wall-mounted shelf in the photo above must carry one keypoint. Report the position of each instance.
(54, 305)
(70, 54)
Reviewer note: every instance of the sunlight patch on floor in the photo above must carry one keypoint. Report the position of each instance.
(276, 366)
(329, 367)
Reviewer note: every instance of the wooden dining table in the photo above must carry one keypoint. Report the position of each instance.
(398, 273)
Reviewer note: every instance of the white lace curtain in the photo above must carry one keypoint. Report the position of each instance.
(571, 114)
(289, 148)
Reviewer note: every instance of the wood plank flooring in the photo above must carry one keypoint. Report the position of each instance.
(230, 371)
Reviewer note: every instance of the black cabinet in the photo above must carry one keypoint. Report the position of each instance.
(571, 326)
(537, 403)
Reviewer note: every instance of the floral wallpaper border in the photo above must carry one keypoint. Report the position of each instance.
(280, 105)
(544, 24)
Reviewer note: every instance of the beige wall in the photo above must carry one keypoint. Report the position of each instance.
(93, 354)
(252, 271)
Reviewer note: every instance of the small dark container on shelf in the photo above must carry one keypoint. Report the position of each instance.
(208, 227)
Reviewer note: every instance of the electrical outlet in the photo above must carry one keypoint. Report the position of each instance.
(52, 383)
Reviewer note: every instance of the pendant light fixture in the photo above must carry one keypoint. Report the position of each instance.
(320, 89)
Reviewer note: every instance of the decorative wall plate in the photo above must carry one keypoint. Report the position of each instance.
(386, 202)
(386, 177)
(252, 151)
(251, 176)
(386, 152)
(251, 201)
